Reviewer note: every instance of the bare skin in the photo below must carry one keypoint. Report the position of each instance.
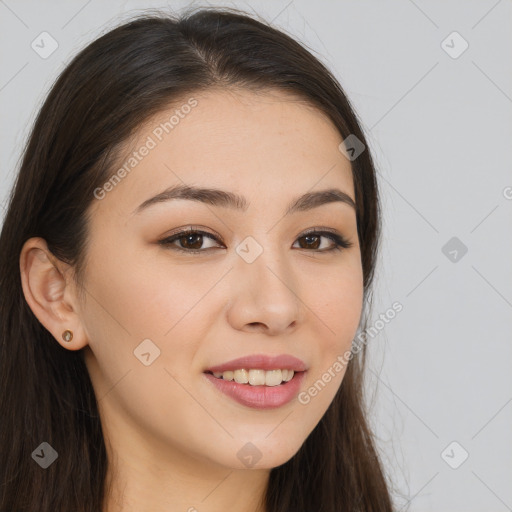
(172, 438)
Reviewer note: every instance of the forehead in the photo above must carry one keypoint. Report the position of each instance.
(247, 142)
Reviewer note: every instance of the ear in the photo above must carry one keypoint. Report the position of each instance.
(50, 293)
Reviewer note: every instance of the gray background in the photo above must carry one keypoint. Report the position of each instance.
(440, 129)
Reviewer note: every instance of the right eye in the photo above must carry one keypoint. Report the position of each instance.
(189, 240)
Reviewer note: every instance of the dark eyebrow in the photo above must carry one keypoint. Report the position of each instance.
(217, 197)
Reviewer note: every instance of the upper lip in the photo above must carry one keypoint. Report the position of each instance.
(261, 362)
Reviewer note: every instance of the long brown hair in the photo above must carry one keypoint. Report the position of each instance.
(98, 102)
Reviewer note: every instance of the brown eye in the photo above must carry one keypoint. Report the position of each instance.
(190, 240)
(311, 242)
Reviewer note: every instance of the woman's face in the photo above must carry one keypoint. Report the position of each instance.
(157, 318)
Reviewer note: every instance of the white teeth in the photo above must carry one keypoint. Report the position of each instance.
(228, 375)
(289, 376)
(241, 376)
(257, 377)
(273, 378)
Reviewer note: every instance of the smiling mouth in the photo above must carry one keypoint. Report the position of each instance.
(256, 377)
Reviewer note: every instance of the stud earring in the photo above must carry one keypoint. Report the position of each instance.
(67, 335)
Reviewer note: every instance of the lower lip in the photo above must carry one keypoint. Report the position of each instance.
(259, 397)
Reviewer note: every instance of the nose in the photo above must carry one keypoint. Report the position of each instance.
(264, 296)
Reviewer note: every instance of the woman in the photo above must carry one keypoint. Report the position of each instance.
(186, 258)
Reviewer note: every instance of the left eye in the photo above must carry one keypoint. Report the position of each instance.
(191, 241)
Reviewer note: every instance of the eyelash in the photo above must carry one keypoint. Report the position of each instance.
(340, 242)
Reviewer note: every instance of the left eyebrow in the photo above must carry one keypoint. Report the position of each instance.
(223, 198)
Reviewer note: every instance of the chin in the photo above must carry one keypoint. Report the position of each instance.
(261, 453)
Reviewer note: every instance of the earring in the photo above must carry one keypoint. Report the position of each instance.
(67, 335)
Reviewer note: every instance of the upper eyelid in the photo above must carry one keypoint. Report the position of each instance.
(194, 230)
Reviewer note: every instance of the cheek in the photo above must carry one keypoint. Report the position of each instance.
(130, 301)
(338, 308)
(338, 304)
(139, 298)
(142, 296)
